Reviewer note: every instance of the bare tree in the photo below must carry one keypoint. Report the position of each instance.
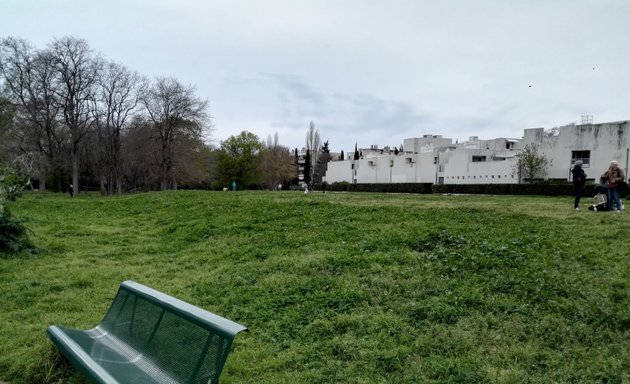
(116, 101)
(7, 111)
(29, 79)
(194, 163)
(322, 164)
(313, 145)
(276, 163)
(77, 71)
(53, 99)
(140, 157)
(531, 164)
(174, 111)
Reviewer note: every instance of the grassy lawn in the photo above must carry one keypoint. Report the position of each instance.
(338, 288)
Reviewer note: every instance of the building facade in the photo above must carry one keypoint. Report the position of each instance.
(434, 159)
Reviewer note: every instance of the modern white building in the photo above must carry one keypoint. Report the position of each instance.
(595, 144)
(434, 159)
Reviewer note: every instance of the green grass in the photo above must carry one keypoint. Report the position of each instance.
(338, 288)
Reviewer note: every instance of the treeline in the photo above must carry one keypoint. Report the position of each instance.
(69, 116)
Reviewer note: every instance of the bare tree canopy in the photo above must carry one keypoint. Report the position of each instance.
(68, 113)
(313, 145)
(116, 100)
(77, 74)
(174, 111)
(531, 164)
(30, 83)
(276, 164)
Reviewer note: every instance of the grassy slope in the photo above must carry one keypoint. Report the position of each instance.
(357, 288)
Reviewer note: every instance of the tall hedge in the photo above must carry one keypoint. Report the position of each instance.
(379, 187)
(542, 189)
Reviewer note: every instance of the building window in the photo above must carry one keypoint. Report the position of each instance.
(584, 156)
(477, 159)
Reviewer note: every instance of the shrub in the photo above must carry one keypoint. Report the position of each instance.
(541, 189)
(11, 185)
(380, 187)
(13, 235)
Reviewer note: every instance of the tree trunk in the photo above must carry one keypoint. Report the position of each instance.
(75, 167)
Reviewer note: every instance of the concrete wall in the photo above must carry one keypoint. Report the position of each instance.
(606, 142)
(460, 169)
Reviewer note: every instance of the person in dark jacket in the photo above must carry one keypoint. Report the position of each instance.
(579, 179)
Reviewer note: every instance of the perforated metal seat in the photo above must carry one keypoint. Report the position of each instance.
(149, 337)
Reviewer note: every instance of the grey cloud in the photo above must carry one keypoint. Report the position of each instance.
(341, 113)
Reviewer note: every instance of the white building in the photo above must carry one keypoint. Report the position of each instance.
(434, 159)
(595, 144)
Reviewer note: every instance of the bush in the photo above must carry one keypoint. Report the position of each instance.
(11, 185)
(337, 187)
(545, 188)
(541, 189)
(379, 187)
(13, 235)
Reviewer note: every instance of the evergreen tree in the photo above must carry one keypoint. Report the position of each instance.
(325, 148)
(307, 167)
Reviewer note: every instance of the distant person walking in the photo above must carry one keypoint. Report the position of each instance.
(579, 179)
(612, 177)
(71, 190)
(234, 185)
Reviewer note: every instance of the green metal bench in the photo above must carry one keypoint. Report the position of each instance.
(149, 337)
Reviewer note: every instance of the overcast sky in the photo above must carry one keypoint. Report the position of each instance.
(372, 72)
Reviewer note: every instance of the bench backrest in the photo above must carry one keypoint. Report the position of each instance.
(187, 343)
